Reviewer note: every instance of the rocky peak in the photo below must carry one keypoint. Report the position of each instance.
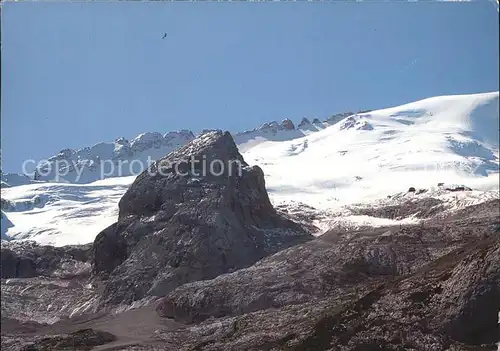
(122, 141)
(355, 122)
(287, 124)
(147, 141)
(87, 164)
(274, 126)
(269, 126)
(182, 134)
(122, 148)
(338, 117)
(63, 154)
(304, 122)
(208, 130)
(181, 222)
(200, 160)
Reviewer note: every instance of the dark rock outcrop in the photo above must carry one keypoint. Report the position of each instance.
(459, 188)
(181, 221)
(414, 288)
(304, 122)
(28, 259)
(287, 124)
(432, 286)
(452, 303)
(42, 284)
(81, 340)
(425, 207)
(336, 264)
(338, 117)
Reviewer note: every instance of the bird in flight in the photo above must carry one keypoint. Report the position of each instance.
(164, 36)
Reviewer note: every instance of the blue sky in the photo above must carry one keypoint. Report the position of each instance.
(74, 74)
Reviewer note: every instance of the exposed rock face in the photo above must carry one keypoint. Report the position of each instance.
(287, 124)
(42, 284)
(24, 205)
(459, 188)
(5, 225)
(418, 208)
(304, 122)
(28, 259)
(274, 127)
(339, 264)
(338, 117)
(14, 179)
(355, 122)
(415, 288)
(452, 302)
(434, 286)
(91, 163)
(83, 340)
(181, 222)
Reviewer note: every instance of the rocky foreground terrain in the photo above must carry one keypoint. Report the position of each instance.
(207, 263)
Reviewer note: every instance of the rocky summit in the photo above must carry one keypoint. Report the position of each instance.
(184, 220)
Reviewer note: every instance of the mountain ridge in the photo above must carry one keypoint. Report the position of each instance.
(123, 149)
(80, 165)
(361, 159)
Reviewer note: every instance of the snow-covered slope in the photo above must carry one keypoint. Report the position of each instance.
(347, 159)
(62, 214)
(106, 160)
(452, 139)
(122, 158)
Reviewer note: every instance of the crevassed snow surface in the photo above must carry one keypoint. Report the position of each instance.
(360, 159)
(72, 213)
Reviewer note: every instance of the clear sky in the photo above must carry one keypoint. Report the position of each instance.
(74, 74)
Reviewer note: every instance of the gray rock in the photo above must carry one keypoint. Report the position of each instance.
(452, 303)
(417, 287)
(340, 264)
(304, 122)
(287, 124)
(29, 259)
(183, 224)
(447, 297)
(84, 340)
